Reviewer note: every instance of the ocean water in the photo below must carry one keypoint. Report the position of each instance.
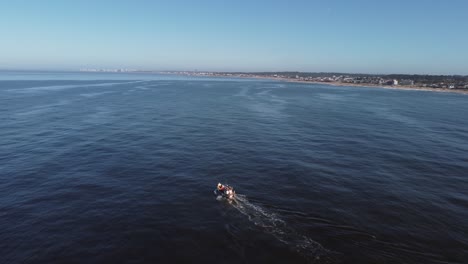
(120, 168)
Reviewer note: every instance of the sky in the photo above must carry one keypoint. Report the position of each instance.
(354, 36)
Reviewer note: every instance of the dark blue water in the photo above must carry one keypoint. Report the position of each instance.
(114, 168)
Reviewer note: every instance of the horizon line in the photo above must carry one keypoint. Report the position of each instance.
(102, 70)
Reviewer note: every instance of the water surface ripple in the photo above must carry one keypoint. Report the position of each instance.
(121, 168)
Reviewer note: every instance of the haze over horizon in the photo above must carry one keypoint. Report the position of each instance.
(364, 36)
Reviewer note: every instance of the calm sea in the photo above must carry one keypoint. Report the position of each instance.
(120, 168)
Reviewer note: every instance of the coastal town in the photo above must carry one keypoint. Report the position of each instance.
(455, 82)
(430, 82)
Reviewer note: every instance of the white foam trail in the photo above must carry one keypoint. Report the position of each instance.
(274, 225)
(142, 87)
(63, 87)
(89, 95)
(243, 92)
(264, 92)
(100, 116)
(332, 97)
(43, 108)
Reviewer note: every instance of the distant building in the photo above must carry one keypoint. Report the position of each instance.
(385, 82)
(406, 82)
(395, 82)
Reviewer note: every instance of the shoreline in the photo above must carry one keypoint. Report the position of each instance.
(365, 85)
(399, 87)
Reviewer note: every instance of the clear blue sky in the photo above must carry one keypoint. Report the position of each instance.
(410, 36)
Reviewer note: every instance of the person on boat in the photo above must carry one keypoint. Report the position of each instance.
(221, 188)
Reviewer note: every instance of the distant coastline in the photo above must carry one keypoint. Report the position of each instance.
(434, 83)
(399, 87)
(439, 85)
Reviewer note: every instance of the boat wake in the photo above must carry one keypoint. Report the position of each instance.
(274, 225)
